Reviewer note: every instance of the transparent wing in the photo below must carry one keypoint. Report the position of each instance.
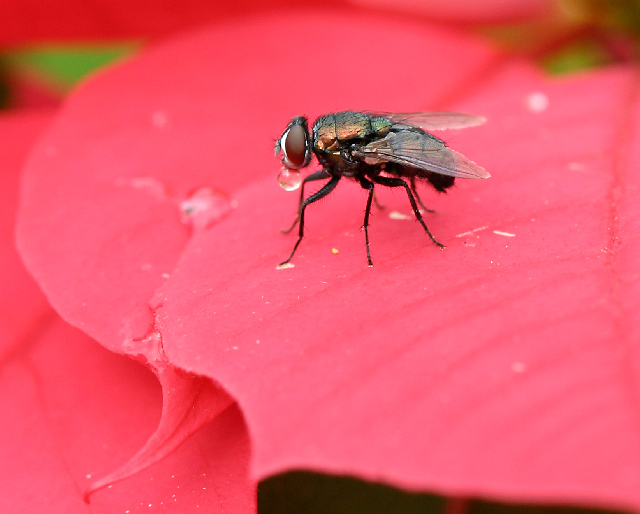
(433, 120)
(422, 151)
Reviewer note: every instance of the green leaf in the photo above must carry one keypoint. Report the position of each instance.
(64, 66)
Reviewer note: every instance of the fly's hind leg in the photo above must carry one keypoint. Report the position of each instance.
(318, 175)
(415, 193)
(324, 191)
(397, 182)
(377, 202)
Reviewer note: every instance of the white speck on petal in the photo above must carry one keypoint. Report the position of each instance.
(469, 232)
(395, 215)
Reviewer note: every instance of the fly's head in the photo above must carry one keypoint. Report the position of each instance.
(294, 149)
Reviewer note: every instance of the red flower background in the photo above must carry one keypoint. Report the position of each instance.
(504, 366)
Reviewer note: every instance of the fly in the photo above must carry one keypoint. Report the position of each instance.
(389, 149)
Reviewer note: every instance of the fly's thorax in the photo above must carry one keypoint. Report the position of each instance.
(333, 131)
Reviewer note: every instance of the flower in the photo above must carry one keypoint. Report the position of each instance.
(486, 369)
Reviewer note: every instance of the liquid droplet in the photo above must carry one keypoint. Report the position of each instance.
(289, 180)
(204, 207)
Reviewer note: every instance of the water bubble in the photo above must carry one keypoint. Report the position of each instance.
(204, 207)
(289, 180)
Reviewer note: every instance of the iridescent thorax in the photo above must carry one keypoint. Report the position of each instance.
(333, 130)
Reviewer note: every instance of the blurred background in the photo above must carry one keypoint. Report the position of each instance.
(46, 48)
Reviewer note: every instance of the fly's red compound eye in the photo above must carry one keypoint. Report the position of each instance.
(295, 147)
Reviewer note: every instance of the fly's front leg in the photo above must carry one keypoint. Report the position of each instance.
(366, 184)
(318, 175)
(397, 182)
(326, 189)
